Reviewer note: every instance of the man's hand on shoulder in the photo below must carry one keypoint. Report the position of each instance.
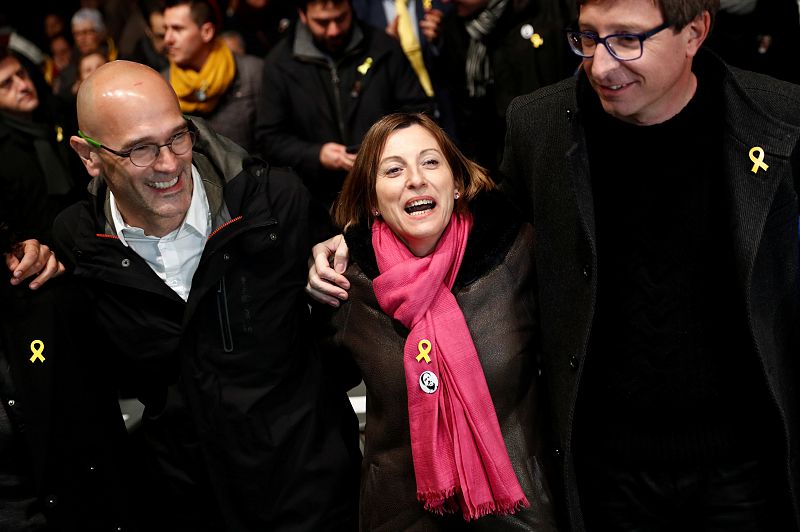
(328, 262)
(29, 258)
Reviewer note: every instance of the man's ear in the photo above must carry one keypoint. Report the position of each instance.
(697, 31)
(88, 157)
(207, 32)
(302, 16)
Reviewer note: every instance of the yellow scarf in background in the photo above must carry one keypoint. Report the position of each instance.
(199, 92)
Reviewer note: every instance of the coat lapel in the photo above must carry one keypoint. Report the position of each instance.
(577, 161)
(752, 193)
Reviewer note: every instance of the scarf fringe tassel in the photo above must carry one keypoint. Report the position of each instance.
(441, 502)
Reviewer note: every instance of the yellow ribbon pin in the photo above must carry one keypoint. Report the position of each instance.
(757, 157)
(363, 68)
(37, 347)
(424, 347)
(536, 40)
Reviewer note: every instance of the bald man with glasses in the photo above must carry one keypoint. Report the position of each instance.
(193, 254)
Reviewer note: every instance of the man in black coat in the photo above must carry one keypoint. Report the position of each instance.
(663, 186)
(324, 85)
(492, 51)
(39, 176)
(194, 257)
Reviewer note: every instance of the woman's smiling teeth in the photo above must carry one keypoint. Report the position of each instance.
(417, 207)
(164, 184)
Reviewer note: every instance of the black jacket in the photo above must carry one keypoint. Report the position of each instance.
(246, 430)
(26, 191)
(520, 66)
(63, 410)
(551, 181)
(310, 100)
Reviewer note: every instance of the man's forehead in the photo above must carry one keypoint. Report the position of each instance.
(179, 14)
(127, 102)
(83, 25)
(9, 65)
(603, 11)
(325, 10)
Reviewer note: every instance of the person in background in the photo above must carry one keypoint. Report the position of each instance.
(89, 35)
(39, 176)
(325, 84)
(151, 49)
(758, 35)
(415, 24)
(53, 24)
(86, 65)
(208, 78)
(234, 41)
(440, 323)
(492, 51)
(261, 23)
(61, 51)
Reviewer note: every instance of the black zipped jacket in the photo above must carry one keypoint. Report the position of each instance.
(248, 430)
(310, 99)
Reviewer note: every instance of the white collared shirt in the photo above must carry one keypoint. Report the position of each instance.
(173, 257)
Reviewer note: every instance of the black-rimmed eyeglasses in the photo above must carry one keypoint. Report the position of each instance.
(146, 154)
(622, 46)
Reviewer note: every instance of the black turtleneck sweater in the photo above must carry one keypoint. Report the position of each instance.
(671, 374)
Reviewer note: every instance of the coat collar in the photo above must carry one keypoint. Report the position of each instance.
(303, 47)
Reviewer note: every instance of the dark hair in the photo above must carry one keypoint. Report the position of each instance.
(302, 5)
(62, 35)
(203, 11)
(680, 12)
(358, 196)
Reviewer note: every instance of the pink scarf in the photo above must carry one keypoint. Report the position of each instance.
(460, 459)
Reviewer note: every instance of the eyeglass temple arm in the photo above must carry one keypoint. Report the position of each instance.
(89, 140)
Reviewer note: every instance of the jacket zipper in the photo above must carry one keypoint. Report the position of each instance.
(337, 101)
(224, 317)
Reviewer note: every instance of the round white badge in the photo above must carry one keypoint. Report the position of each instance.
(428, 382)
(526, 31)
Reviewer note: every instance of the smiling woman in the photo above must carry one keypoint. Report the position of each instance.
(440, 323)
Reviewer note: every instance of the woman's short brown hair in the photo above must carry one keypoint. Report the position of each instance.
(358, 197)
